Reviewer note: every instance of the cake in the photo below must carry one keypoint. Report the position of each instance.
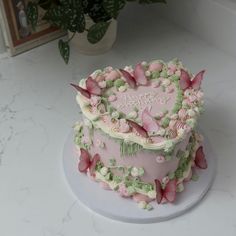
(138, 136)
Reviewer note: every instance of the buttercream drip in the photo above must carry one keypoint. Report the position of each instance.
(168, 97)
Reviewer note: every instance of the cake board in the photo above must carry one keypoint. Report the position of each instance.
(111, 205)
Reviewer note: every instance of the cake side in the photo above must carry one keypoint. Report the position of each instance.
(134, 173)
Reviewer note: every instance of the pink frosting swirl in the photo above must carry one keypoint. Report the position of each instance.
(155, 66)
(155, 84)
(138, 197)
(160, 159)
(123, 126)
(179, 125)
(172, 67)
(172, 124)
(182, 114)
(99, 78)
(112, 75)
(172, 133)
(102, 84)
(95, 100)
(104, 185)
(112, 98)
(123, 190)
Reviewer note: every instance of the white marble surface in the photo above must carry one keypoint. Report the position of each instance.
(38, 108)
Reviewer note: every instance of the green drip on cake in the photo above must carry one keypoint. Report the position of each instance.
(129, 149)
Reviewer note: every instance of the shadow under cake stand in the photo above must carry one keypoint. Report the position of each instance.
(110, 204)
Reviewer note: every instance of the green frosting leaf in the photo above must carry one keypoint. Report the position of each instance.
(109, 176)
(179, 173)
(171, 175)
(99, 166)
(110, 109)
(169, 148)
(119, 82)
(129, 149)
(117, 179)
(164, 74)
(180, 154)
(147, 187)
(175, 78)
(141, 171)
(78, 139)
(112, 162)
(155, 75)
(179, 99)
(165, 122)
(168, 157)
(131, 189)
(109, 83)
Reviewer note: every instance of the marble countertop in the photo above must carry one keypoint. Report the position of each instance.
(38, 108)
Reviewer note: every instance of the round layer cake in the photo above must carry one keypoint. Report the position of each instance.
(138, 135)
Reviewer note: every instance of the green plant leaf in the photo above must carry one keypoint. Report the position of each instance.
(67, 16)
(96, 11)
(151, 1)
(64, 49)
(97, 31)
(113, 7)
(85, 3)
(32, 14)
(55, 17)
(45, 4)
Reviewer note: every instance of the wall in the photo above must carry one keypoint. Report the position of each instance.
(212, 20)
(2, 46)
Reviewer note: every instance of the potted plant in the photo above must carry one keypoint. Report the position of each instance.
(91, 24)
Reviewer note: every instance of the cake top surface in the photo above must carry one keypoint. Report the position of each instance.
(152, 104)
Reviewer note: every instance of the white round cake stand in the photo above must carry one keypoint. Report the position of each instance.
(110, 204)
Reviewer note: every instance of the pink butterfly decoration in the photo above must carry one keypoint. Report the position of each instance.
(92, 87)
(149, 124)
(185, 81)
(138, 78)
(168, 194)
(85, 163)
(200, 159)
(129, 78)
(138, 128)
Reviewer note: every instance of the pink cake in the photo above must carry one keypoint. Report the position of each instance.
(138, 136)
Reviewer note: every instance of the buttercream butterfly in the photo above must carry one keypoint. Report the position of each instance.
(92, 88)
(168, 193)
(86, 163)
(185, 81)
(139, 76)
(149, 124)
(200, 160)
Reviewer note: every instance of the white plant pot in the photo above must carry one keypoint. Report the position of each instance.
(81, 42)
